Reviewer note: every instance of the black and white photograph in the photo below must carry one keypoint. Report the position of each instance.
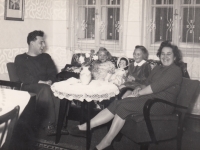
(99, 75)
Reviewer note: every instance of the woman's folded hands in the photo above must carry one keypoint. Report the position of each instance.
(135, 92)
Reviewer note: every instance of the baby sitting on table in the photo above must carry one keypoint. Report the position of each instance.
(119, 76)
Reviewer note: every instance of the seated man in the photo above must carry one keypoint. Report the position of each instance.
(37, 71)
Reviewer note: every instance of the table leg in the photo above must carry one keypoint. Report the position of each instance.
(63, 111)
(88, 139)
(82, 112)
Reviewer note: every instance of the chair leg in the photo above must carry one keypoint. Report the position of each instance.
(144, 146)
(179, 141)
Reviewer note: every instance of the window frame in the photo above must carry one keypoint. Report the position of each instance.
(148, 24)
(86, 44)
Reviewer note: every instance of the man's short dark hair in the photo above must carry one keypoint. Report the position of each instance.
(32, 35)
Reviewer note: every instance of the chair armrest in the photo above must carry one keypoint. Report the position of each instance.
(12, 85)
(146, 111)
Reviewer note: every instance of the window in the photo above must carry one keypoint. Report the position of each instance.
(174, 20)
(98, 23)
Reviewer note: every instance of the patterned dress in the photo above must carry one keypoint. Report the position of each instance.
(165, 83)
(100, 70)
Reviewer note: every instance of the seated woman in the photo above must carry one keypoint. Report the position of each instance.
(138, 71)
(118, 78)
(163, 82)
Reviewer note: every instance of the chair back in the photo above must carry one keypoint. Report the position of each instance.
(190, 90)
(8, 126)
(12, 72)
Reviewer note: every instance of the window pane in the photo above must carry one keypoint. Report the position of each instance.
(163, 21)
(158, 1)
(91, 2)
(86, 19)
(197, 1)
(86, 2)
(168, 1)
(190, 26)
(110, 2)
(110, 23)
(187, 1)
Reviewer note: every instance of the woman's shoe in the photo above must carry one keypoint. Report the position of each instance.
(76, 132)
(110, 147)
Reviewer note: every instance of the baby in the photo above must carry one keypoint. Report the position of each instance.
(119, 76)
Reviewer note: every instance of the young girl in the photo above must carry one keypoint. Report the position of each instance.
(138, 71)
(119, 76)
(103, 68)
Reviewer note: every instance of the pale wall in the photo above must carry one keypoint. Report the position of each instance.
(38, 16)
(46, 15)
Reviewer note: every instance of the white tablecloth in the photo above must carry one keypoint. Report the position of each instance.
(74, 89)
(11, 98)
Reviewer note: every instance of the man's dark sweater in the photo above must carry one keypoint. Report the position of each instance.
(31, 69)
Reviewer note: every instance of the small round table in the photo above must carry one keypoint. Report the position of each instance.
(73, 89)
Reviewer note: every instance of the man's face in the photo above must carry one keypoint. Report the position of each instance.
(38, 45)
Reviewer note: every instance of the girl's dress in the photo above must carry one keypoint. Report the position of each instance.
(140, 71)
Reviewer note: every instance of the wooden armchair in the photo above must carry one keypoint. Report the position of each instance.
(12, 116)
(146, 129)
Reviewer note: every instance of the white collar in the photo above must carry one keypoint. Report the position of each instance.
(140, 63)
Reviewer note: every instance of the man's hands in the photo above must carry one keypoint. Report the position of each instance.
(49, 82)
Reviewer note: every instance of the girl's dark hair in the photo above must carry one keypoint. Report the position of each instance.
(144, 50)
(177, 53)
(125, 61)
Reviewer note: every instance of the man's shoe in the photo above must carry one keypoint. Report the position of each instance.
(64, 131)
(51, 131)
(76, 132)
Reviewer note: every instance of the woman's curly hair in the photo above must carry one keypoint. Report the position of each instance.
(177, 53)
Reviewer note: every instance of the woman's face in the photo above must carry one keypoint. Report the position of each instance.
(167, 56)
(138, 55)
(102, 56)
